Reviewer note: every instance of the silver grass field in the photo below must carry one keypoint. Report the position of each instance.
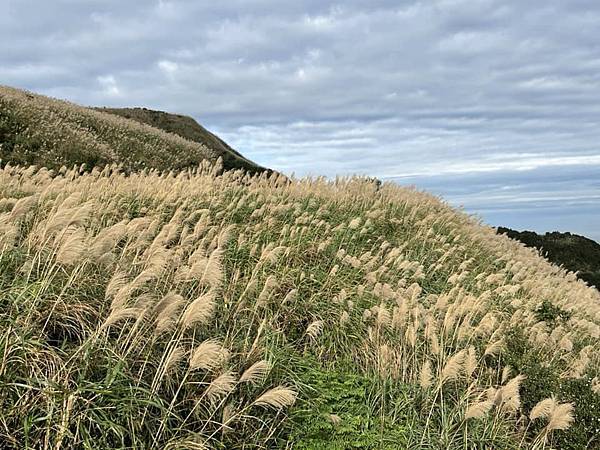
(179, 311)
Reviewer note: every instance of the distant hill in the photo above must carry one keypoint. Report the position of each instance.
(575, 253)
(189, 129)
(38, 130)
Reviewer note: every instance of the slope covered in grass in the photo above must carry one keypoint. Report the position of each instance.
(203, 311)
(189, 129)
(51, 133)
(572, 251)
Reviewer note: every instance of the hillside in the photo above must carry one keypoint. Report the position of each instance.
(573, 252)
(189, 129)
(51, 133)
(192, 311)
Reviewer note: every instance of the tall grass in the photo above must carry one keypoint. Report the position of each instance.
(162, 310)
(39, 130)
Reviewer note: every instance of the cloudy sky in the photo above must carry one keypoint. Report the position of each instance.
(495, 105)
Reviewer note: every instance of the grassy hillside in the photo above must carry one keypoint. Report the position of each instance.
(575, 253)
(196, 311)
(37, 130)
(189, 129)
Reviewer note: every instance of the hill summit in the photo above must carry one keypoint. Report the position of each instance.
(38, 130)
(189, 129)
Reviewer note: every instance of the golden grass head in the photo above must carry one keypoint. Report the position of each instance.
(561, 417)
(479, 409)
(209, 355)
(277, 398)
(221, 386)
(256, 373)
(200, 311)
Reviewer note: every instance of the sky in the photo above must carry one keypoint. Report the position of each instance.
(493, 105)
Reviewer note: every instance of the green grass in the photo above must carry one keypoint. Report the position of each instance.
(195, 308)
(37, 130)
(189, 129)
(324, 283)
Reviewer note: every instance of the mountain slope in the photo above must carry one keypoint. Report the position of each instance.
(573, 252)
(190, 310)
(46, 132)
(189, 129)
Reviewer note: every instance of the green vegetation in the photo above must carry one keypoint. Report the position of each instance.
(220, 310)
(573, 252)
(173, 308)
(37, 130)
(191, 130)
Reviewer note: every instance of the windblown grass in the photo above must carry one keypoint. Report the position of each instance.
(219, 310)
(47, 132)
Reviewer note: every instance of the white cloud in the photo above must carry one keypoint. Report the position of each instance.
(109, 86)
(168, 67)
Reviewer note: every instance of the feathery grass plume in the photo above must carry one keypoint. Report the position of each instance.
(221, 386)
(209, 355)
(449, 321)
(8, 232)
(72, 246)
(290, 296)
(334, 419)
(452, 368)
(228, 417)
(470, 362)
(386, 358)
(411, 335)
(167, 312)
(354, 223)
(494, 348)
(122, 314)
(122, 296)
(581, 363)
(277, 398)
(256, 373)
(543, 409)
(425, 376)
(486, 325)
(384, 318)
(270, 284)
(596, 385)
(511, 400)
(106, 240)
(23, 206)
(479, 409)
(314, 329)
(561, 417)
(566, 344)
(506, 372)
(273, 255)
(170, 298)
(344, 317)
(176, 354)
(213, 273)
(434, 343)
(199, 311)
